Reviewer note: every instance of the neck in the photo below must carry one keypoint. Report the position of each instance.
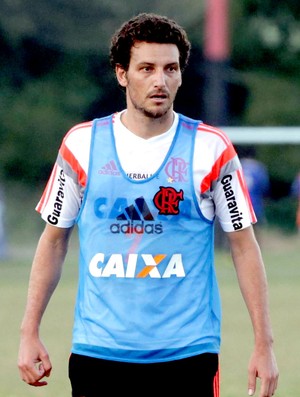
(147, 127)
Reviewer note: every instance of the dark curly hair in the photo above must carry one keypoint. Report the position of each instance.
(150, 28)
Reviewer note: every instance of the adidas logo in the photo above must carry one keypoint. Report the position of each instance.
(136, 217)
(109, 169)
(137, 211)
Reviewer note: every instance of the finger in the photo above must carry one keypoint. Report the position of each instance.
(251, 383)
(272, 388)
(34, 379)
(38, 383)
(45, 366)
(33, 374)
(42, 371)
(267, 389)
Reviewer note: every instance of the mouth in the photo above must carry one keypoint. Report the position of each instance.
(158, 97)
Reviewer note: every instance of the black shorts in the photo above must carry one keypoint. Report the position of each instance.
(193, 376)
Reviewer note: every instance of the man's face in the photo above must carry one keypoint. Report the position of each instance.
(152, 79)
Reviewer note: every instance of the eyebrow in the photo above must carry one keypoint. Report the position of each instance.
(152, 64)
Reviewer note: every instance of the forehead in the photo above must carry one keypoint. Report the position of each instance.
(143, 52)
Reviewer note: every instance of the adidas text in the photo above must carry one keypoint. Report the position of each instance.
(136, 228)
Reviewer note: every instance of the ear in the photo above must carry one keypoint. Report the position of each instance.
(121, 75)
(180, 82)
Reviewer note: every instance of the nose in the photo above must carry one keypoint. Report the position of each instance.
(160, 78)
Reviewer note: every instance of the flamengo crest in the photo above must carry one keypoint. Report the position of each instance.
(167, 200)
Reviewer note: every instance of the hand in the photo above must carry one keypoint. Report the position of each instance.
(263, 365)
(34, 363)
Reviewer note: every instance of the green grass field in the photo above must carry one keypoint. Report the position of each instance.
(281, 254)
(282, 259)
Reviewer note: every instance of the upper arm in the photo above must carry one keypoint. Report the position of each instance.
(243, 243)
(244, 249)
(55, 238)
(242, 238)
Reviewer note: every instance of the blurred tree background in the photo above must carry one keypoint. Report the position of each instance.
(54, 72)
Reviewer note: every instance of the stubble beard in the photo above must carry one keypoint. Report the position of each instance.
(154, 114)
(151, 112)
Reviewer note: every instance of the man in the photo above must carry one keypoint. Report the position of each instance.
(144, 186)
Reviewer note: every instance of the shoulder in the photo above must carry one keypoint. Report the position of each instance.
(84, 129)
(207, 132)
(213, 143)
(78, 133)
(211, 133)
(79, 136)
(75, 146)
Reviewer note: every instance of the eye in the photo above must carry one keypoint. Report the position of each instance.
(172, 68)
(147, 68)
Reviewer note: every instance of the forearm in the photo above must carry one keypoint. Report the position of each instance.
(255, 294)
(44, 277)
(252, 279)
(253, 284)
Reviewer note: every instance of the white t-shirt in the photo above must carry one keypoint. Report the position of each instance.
(140, 158)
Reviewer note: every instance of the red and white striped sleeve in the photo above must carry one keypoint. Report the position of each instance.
(61, 199)
(219, 180)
